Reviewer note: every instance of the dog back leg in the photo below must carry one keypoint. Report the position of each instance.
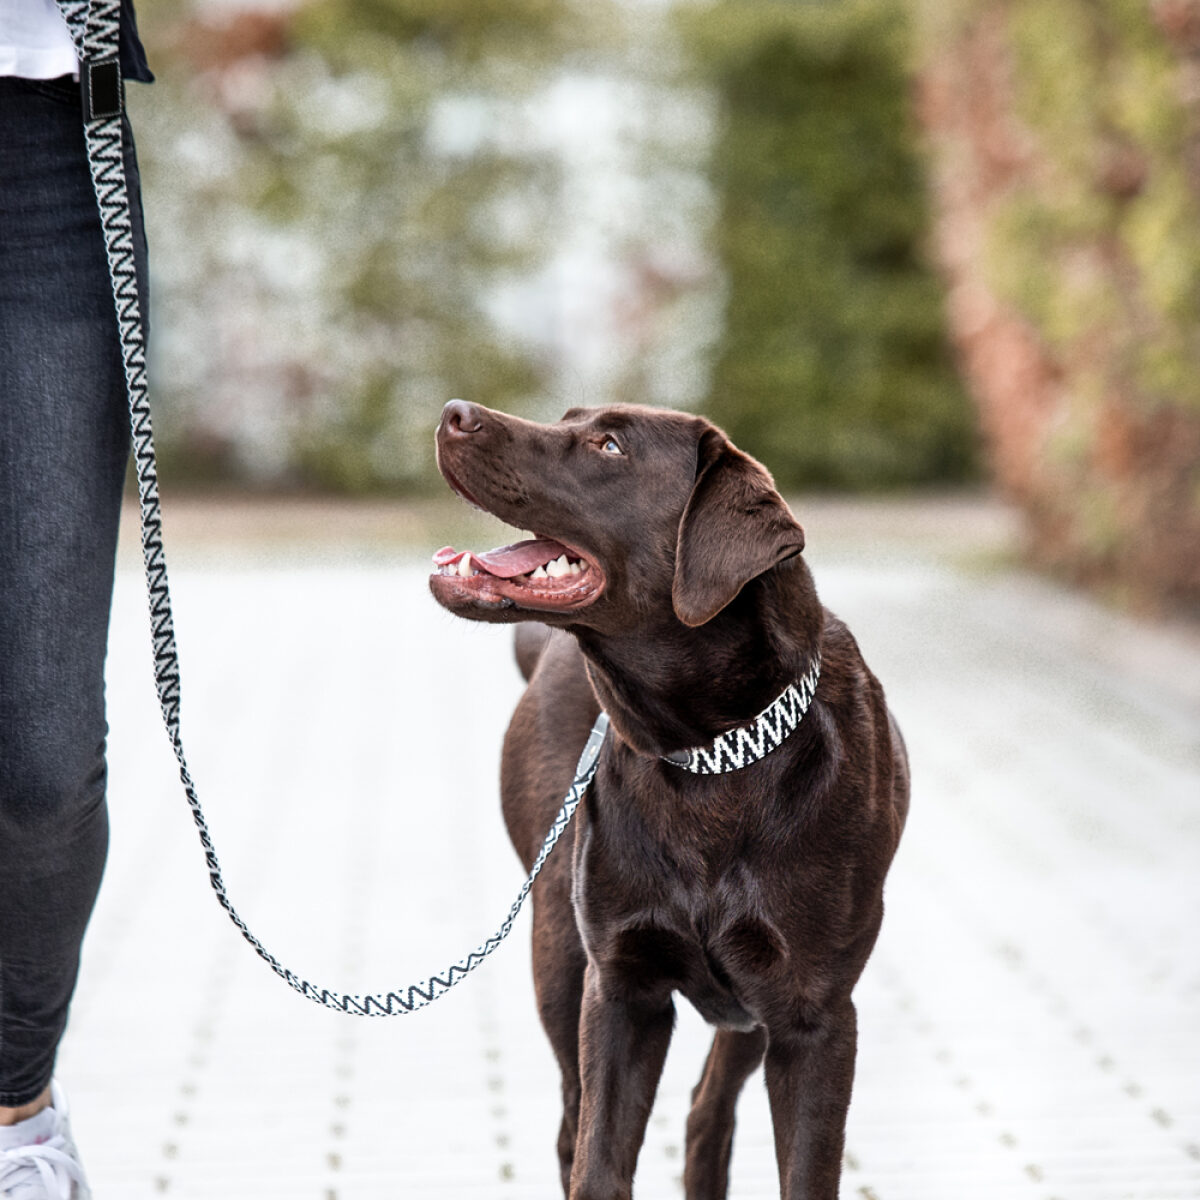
(558, 966)
(710, 1123)
(529, 641)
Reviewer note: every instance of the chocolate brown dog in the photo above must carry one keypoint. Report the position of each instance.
(749, 797)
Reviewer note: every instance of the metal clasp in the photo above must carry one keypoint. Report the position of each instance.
(587, 760)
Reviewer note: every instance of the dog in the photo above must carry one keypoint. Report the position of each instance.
(749, 796)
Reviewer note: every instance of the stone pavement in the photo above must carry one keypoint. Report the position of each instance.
(1030, 1022)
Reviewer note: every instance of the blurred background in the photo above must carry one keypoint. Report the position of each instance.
(887, 244)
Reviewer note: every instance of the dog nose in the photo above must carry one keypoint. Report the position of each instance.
(459, 416)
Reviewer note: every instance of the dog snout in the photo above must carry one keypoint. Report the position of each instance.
(460, 417)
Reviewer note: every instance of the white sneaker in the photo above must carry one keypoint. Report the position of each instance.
(38, 1159)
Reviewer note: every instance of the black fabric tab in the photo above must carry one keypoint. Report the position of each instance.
(100, 88)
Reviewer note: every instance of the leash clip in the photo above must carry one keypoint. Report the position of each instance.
(591, 751)
(100, 88)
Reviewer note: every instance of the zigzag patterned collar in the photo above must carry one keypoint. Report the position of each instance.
(737, 748)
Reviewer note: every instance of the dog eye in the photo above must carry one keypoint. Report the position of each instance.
(610, 446)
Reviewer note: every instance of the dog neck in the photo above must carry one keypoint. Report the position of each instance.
(669, 688)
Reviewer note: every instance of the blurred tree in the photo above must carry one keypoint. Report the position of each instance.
(1067, 139)
(833, 364)
(336, 190)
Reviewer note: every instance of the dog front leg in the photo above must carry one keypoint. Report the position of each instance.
(623, 1039)
(810, 1071)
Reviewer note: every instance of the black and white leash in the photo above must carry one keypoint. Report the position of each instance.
(95, 30)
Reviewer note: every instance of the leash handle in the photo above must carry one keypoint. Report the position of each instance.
(95, 30)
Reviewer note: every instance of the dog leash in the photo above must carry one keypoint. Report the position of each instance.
(95, 30)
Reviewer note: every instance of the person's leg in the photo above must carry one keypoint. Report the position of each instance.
(63, 450)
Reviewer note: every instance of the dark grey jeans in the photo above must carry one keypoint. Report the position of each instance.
(63, 449)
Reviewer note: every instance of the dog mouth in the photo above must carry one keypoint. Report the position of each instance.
(539, 573)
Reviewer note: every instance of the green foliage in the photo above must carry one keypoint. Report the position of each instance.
(418, 241)
(331, 218)
(475, 33)
(833, 364)
(1083, 178)
(339, 192)
(1099, 87)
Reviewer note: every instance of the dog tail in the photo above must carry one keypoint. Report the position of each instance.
(528, 643)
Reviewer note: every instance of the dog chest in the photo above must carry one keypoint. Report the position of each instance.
(655, 923)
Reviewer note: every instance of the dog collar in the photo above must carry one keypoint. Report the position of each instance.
(737, 748)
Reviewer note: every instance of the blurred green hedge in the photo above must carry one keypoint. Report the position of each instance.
(1067, 134)
(338, 191)
(833, 364)
(335, 192)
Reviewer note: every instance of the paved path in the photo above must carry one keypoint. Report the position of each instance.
(1030, 1022)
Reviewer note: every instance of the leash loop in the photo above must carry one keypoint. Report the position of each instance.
(95, 30)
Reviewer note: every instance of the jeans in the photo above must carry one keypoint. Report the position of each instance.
(64, 445)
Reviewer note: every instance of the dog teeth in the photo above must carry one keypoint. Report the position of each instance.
(560, 568)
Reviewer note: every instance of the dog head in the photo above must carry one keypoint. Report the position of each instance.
(634, 512)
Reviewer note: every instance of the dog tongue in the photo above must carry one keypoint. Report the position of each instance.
(505, 562)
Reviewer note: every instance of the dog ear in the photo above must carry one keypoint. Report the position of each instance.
(735, 527)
